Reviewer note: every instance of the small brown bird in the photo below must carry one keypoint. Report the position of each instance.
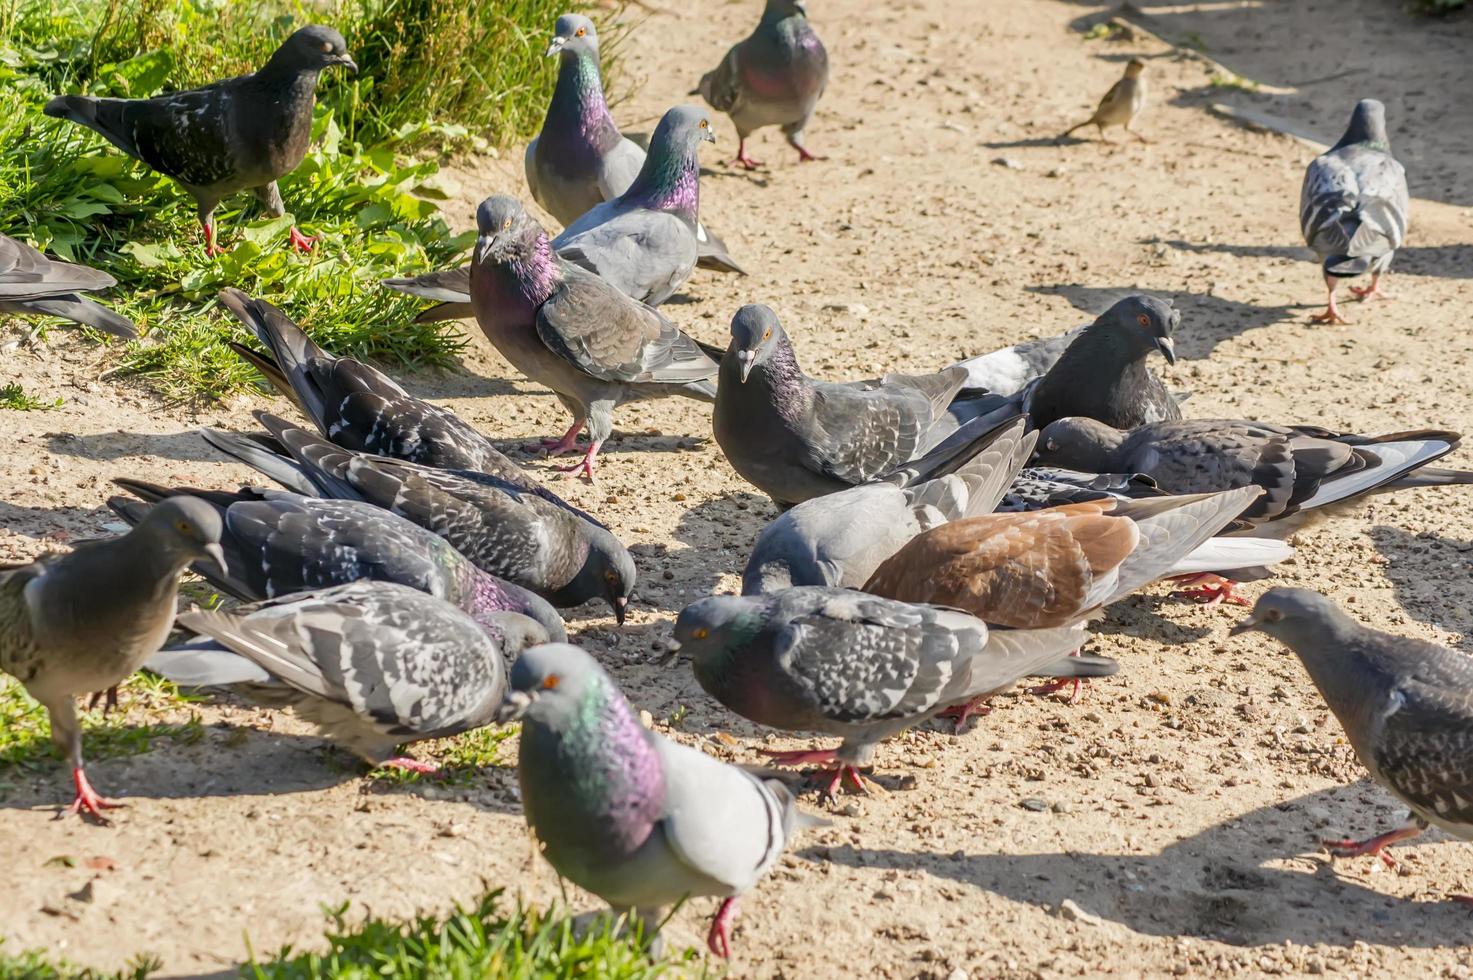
(1125, 100)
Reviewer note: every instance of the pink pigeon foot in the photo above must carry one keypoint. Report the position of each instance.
(299, 241)
(831, 777)
(961, 712)
(88, 802)
(1212, 590)
(718, 940)
(1374, 291)
(211, 249)
(742, 158)
(405, 764)
(1332, 312)
(805, 157)
(1054, 686)
(1344, 847)
(584, 467)
(568, 442)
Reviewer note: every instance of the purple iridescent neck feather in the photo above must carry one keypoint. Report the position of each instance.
(578, 119)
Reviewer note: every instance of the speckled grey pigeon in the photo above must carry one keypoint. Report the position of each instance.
(359, 407)
(1354, 206)
(277, 543)
(32, 284)
(239, 134)
(1406, 706)
(637, 819)
(580, 159)
(503, 529)
(564, 327)
(861, 667)
(372, 664)
(841, 538)
(1007, 371)
(80, 623)
(1121, 105)
(1037, 487)
(773, 77)
(795, 438)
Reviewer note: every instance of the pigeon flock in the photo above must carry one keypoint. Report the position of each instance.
(942, 536)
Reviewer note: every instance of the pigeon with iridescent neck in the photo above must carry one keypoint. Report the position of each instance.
(773, 77)
(564, 327)
(580, 159)
(634, 818)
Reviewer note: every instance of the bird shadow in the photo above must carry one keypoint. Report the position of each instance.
(1238, 882)
(1037, 141)
(1139, 615)
(719, 534)
(1444, 261)
(56, 525)
(1297, 252)
(103, 447)
(1206, 320)
(1418, 566)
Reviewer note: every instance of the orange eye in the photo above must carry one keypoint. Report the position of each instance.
(700, 632)
(506, 225)
(552, 681)
(767, 335)
(183, 526)
(1143, 320)
(581, 31)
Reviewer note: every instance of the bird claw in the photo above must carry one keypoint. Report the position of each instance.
(1329, 316)
(88, 802)
(1345, 847)
(1373, 291)
(301, 242)
(961, 712)
(806, 157)
(584, 467)
(404, 763)
(718, 939)
(112, 700)
(1055, 686)
(1210, 590)
(744, 161)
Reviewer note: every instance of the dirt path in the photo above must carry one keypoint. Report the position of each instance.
(1181, 800)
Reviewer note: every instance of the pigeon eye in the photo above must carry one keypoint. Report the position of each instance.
(767, 334)
(551, 681)
(327, 47)
(1143, 320)
(700, 632)
(1273, 615)
(703, 124)
(183, 527)
(610, 577)
(580, 32)
(506, 225)
(1051, 445)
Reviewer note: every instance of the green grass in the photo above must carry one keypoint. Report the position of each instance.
(14, 397)
(1227, 80)
(435, 73)
(25, 734)
(35, 964)
(460, 758)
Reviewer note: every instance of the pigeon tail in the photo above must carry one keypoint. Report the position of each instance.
(79, 310)
(1068, 668)
(204, 662)
(289, 345)
(284, 470)
(703, 390)
(1347, 266)
(104, 116)
(1433, 476)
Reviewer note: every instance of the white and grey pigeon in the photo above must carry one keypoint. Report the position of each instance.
(864, 668)
(580, 159)
(81, 622)
(840, 538)
(276, 543)
(32, 284)
(1406, 706)
(1008, 371)
(1354, 206)
(634, 818)
(773, 77)
(373, 664)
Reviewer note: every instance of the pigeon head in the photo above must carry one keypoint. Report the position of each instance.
(755, 334)
(1145, 323)
(513, 632)
(184, 529)
(713, 630)
(313, 49)
(550, 683)
(1134, 68)
(608, 572)
(670, 178)
(505, 230)
(1295, 617)
(783, 9)
(1367, 125)
(682, 130)
(1078, 443)
(573, 35)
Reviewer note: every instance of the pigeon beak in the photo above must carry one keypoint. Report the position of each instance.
(512, 707)
(216, 554)
(802, 8)
(554, 46)
(346, 60)
(484, 244)
(1247, 625)
(1167, 347)
(671, 654)
(707, 135)
(621, 609)
(748, 358)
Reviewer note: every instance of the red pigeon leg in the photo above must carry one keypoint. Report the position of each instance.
(584, 467)
(568, 443)
(405, 764)
(961, 712)
(88, 801)
(211, 249)
(831, 777)
(1344, 847)
(1374, 292)
(1332, 312)
(1058, 684)
(718, 940)
(742, 158)
(1213, 590)
(299, 241)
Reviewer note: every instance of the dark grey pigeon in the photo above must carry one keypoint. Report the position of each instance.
(505, 530)
(580, 159)
(277, 543)
(773, 77)
(841, 538)
(372, 664)
(359, 407)
(1301, 468)
(1354, 206)
(857, 666)
(564, 327)
(32, 284)
(794, 437)
(239, 134)
(1406, 706)
(642, 822)
(80, 623)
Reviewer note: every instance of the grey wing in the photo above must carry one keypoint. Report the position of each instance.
(722, 86)
(1425, 746)
(619, 167)
(720, 821)
(25, 273)
(1326, 200)
(1205, 456)
(1384, 205)
(645, 254)
(863, 434)
(604, 333)
(529, 166)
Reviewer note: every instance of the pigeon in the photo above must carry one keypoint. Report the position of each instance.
(564, 327)
(1406, 706)
(773, 77)
(277, 543)
(372, 664)
(580, 159)
(503, 529)
(360, 408)
(31, 283)
(1037, 487)
(796, 438)
(1353, 206)
(1121, 105)
(81, 622)
(1054, 567)
(638, 820)
(840, 538)
(830, 660)
(239, 134)
(1008, 371)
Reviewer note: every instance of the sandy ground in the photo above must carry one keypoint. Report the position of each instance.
(1183, 798)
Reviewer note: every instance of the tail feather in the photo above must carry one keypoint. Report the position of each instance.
(445, 311)
(1347, 266)
(103, 116)
(283, 469)
(1432, 476)
(713, 254)
(289, 345)
(79, 310)
(205, 662)
(1067, 668)
(1232, 554)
